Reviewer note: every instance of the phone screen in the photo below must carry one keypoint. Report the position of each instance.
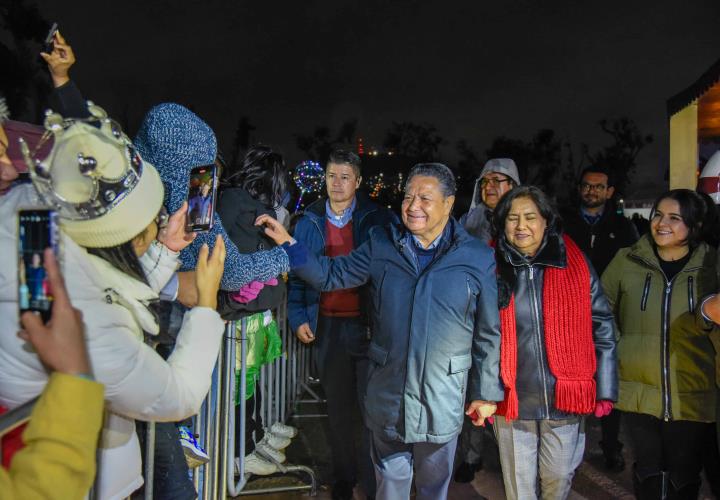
(201, 197)
(37, 230)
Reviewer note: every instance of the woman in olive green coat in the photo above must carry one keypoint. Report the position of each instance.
(665, 357)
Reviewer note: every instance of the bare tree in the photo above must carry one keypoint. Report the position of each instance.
(620, 157)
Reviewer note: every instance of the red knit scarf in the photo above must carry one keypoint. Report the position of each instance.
(567, 319)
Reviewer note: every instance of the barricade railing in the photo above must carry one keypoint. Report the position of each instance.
(14, 418)
(280, 383)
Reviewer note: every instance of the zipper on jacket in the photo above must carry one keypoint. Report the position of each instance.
(538, 340)
(665, 347)
(665, 352)
(646, 292)
(691, 294)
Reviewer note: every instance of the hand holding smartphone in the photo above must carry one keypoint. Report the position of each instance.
(202, 192)
(37, 230)
(48, 44)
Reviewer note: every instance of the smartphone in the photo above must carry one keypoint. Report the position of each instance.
(37, 230)
(48, 45)
(201, 198)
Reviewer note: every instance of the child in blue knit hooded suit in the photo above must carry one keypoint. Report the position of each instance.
(175, 140)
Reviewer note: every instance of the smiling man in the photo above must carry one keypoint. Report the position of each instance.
(436, 333)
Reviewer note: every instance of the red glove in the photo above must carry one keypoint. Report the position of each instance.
(603, 408)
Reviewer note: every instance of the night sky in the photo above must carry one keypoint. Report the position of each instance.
(474, 69)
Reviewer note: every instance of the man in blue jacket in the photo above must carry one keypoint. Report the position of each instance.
(436, 332)
(336, 321)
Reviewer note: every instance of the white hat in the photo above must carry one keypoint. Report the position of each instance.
(102, 189)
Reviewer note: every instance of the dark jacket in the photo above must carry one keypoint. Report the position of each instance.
(431, 328)
(535, 382)
(303, 300)
(602, 240)
(238, 211)
(68, 101)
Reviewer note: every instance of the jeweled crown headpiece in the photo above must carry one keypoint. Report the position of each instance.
(99, 165)
(96, 180)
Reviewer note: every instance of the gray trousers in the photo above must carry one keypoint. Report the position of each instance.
(539, 456)
(394, 462)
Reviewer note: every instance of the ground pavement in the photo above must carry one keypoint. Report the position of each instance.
(591, 482)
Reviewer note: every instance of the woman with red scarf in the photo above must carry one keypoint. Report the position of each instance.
(557, 359)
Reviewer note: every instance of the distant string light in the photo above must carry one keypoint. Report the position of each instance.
(379, 185)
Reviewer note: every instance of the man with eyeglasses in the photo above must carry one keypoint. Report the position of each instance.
(336, 322)
(498, 177)
(600, 232)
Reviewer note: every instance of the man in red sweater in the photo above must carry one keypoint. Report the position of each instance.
(335, 322)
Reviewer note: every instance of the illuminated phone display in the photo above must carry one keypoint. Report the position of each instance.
(202, 190)
(37, 230)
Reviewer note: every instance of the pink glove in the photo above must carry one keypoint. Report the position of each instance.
(603, 408)
(249, 292)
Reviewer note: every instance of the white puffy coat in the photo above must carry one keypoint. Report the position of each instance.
(139, 384)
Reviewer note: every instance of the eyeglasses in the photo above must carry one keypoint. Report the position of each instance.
(493, 181)
(584, 186)
(162, 218)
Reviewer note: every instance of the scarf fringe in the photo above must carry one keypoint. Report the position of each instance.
(575, 396)
(509, 406)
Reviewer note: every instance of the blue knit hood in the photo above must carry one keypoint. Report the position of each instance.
(174, 140)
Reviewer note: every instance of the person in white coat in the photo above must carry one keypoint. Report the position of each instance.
(115, 260)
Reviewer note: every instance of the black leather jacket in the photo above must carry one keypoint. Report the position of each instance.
(535, 382)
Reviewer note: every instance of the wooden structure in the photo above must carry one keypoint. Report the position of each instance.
(694, 116)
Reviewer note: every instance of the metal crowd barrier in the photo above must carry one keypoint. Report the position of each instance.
(281, 385)
(16, 417)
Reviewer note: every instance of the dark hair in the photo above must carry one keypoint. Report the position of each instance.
(263, 175)
(693, 210)
(711, 223)
(123, 258)
(545, 207)
(441, 172)
(342, 157)
(593, 169)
